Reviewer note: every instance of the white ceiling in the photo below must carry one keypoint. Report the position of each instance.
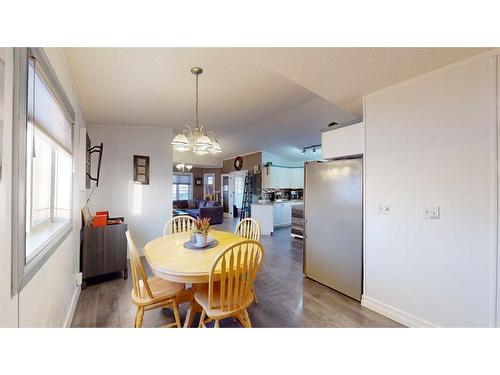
(343, 75)
(276, 99)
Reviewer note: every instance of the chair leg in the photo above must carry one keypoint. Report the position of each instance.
(216, 325)
(139, 315)
(255, 297)
(247, 319)
(176, 313)
(202, 318)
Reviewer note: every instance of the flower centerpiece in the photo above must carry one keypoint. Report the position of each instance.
(202, 226)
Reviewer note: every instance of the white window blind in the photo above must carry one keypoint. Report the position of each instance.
(44, 111)
(181, 186)
(184, 179)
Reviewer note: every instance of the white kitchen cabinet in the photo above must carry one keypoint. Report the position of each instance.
(286, 213)
(282, 214)
(283, 178)
(343, 141)
(264, 214)
(275, 177)
(296, 178)
(277, 214)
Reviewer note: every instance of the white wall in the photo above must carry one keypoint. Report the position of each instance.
(49, 298)
(433, 142)
(146, 208)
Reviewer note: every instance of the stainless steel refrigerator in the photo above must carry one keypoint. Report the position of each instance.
(333, 246)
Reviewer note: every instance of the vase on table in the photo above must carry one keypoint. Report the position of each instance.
(201, 240)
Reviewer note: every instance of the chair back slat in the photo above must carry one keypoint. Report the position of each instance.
(248, 228)
(233, 272)
(138, 273)
(250, 264)
(179, 224)
(230, 280)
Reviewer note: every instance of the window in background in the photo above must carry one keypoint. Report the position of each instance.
(49, 165)
(182, 186)
(208, 185)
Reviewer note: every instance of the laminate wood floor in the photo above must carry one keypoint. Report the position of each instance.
(286, 298)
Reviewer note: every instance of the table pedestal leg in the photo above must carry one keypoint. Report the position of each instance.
(193, 308)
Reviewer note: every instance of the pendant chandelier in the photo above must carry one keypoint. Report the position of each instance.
(198, 140)
(181, 167)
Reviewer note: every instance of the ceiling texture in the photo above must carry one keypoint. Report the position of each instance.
(273, 99)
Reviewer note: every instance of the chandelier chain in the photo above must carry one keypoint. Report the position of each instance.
(199, 140)
(196, 100)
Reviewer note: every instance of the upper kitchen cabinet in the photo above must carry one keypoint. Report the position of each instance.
(283, 177)
(296, 178)
(343, 140)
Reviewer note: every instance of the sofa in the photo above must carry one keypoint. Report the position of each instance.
(201, 208)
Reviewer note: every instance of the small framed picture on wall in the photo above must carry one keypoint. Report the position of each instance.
(141, 169)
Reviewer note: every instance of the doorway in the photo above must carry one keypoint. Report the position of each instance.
(208, 185)
(236, 189)
(232, 186)
(224, 183)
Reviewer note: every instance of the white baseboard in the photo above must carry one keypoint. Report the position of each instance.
(72, 308)
(395, 314)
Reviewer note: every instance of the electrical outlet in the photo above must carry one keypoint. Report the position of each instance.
(383, 208)
(432, 213)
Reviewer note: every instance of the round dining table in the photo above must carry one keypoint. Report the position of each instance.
(170, 260)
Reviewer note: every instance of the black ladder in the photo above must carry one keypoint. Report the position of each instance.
(247, 198)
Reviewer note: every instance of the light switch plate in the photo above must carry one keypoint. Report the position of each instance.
(383, 208)
(432, 213)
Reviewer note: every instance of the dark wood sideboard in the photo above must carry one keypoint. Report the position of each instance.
(103, 251)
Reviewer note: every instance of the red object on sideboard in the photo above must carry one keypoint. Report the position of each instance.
(100, 213)
(99, 221)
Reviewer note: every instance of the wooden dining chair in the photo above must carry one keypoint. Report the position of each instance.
(151, 293)
(178, 224)
(229, 290)
(249, 229)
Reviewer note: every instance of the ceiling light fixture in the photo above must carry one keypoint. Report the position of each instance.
(184, 167)
(198, 140)
(313, 148)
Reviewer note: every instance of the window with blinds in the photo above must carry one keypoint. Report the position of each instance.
(182, 186)
(49, 162)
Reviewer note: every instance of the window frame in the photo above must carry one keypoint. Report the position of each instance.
(177, 185)
(23, 270)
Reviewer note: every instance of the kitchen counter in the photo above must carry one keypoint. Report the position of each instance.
(264, 214)
(272, 214)
(290, 201)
